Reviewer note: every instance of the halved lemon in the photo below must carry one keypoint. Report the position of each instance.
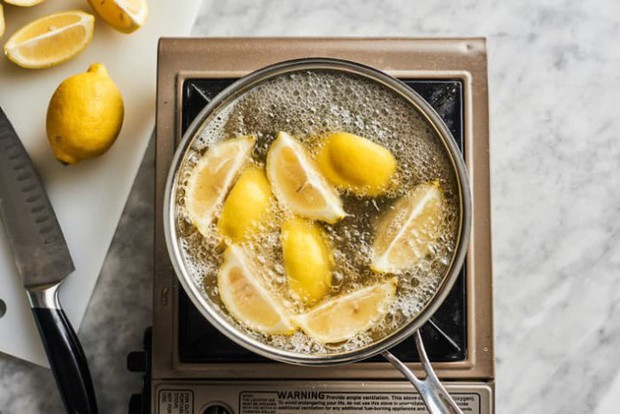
(298, 184)
(405, 234)
(50, 40)
(308, 259)
(356, 164)
(213, 176)
(344, 317)
(23, 3)
(246, 205)
(247, 299)
(126, 16)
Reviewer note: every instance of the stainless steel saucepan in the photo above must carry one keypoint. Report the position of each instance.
(434, 394)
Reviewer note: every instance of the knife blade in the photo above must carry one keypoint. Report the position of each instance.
(43, 261)
(39, 247)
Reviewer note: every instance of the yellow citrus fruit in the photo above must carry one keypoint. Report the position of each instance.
(406, 232)
(298, 184)
(23, 3)
(1, 20)
(308, 259)
(126, 16)
(50, 40)
(212, 178)
(246, 205)
(357, 164)
(84, 116)
(247, 299)
(343, 317)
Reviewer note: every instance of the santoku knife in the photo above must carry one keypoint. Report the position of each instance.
(43, 261)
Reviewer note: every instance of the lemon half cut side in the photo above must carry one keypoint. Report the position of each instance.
(50, 40)
(298, 184)
(247, 299)
(343, 317)
(404, 235)
(212, 178)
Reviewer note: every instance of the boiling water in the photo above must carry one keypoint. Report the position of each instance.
(307, 104)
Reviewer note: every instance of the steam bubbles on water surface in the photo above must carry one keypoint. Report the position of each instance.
(308, 104)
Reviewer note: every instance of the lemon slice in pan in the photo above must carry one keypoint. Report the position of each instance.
(308, 259)
(405, 233)
(356, 164)
(213, 176)
(298, 184)
(345, 316)
(246, 298)
(246, 206)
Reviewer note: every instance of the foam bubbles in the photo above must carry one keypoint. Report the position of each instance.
(309, 104)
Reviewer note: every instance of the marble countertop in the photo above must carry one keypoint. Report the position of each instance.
(555, 156)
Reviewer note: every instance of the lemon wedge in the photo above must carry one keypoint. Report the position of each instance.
(213, 176)
(1, 20)
(308, 259)
(298, 184)
(247, 299)
(356, 164)
(405, 234)
(23, 3)
(344, 317)
(126, 16)
(246, 205)
(50, 40)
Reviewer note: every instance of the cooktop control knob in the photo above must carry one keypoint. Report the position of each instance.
(217, 409)
(136, 361)
(135, 404)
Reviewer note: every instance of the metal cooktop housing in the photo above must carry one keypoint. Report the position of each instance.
(193, 384)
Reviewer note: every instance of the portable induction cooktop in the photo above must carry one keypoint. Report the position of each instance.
(189, 367)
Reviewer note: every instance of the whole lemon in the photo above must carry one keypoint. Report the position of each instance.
(84, 116)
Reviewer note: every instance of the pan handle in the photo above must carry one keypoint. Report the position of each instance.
(435, 396)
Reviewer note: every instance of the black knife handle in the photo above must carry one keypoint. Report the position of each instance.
(67, 360)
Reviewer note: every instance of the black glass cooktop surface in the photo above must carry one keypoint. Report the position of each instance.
(445, 335)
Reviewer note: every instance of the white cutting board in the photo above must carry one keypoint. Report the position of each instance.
(88, 197)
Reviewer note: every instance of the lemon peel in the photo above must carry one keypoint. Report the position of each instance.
(24, 3)
(246, 205)
(356, 164)
(2, 27)
(126, 16)
(308, 259)
(84, 116)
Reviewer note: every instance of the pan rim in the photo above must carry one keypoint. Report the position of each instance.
(240, 87)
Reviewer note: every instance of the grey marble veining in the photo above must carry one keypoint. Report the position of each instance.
(555, 153)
